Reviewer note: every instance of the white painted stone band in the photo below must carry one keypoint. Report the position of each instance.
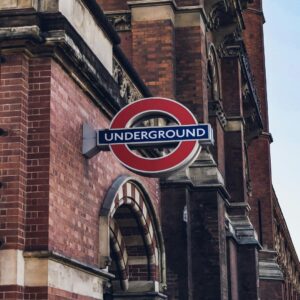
(80, 18)
(35, 272)
(168, 10)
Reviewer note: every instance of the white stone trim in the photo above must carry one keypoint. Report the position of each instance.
(73, 280)
(11, 267)
(234, 125)
(187, 19)
(153, 13)
(84, 23)
(13, 4)
(38, 272)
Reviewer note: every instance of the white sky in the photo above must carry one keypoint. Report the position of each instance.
(282, 45)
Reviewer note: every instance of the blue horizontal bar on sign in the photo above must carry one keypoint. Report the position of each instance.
(153, 135)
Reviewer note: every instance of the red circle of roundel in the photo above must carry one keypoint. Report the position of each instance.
(184, 153)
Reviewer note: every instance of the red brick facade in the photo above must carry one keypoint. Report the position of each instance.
(73, 227)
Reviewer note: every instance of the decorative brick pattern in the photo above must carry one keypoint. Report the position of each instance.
(129, 195)
(119, 249)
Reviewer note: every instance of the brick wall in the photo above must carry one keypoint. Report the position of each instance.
(273, 290)
(231, 87)
(259, 150)
(77, 185)
(38, 155)
(235, 166)
(153, 55)
(126, 43)
(191, 68)
(13, 150)
(174, 226)
(51, 195)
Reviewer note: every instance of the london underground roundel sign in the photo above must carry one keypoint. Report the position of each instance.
(188, 135)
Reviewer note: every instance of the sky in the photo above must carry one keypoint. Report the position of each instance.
(282, 51)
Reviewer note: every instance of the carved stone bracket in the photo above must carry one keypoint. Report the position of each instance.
(218, 15)
(215, 108)
(120, 21)
(241, 229)
(128, 90)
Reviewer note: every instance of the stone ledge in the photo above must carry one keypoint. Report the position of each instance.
(184, 16)
(270, 270)
(52, 35)
(55, 256)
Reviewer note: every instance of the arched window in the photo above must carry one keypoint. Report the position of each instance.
(131, 244)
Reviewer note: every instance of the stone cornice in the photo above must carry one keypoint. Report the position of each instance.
(68, 261)
(52, 35)
(53, 5)
(241, 230)
(177, 10)
(151, 3)
(99, 15)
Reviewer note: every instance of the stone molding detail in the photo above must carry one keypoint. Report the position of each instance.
(120, 21)
(241, 229)
(128, 91)
(231, 45)
(286, 255)
(42, 268)
(270, 270)
(217, 15)
(216, 109)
